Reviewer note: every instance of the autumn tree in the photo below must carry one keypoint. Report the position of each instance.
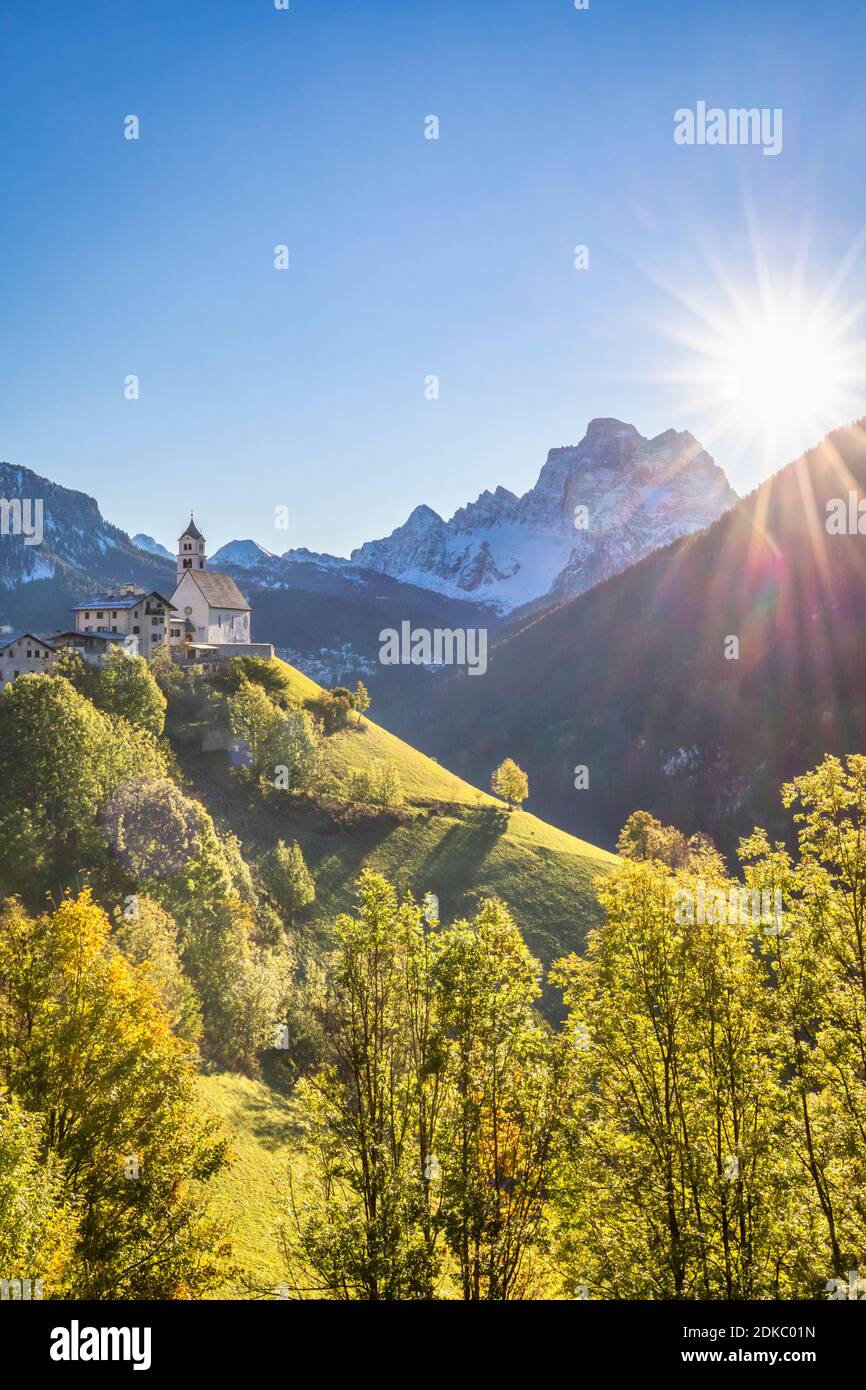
(147, 936)
(510, 782)
(87, 1045)
(39, 1219)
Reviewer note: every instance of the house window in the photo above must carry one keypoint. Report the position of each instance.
(136, 613)
(136, 630)
(114, 628)
(154, 622)
(88, 629)
(114, 614)
(100, 614)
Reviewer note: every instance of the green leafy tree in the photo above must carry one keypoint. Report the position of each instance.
(361, 700)
(505, 1108)
(358, 789)
(678, 1182)
(125, 685)
(61, 761)
(386, 788)
(363, 1227)
(816, 957)
(168, 675)
(289, 879)
(435, 1115)
(253, 717)
(644, 837)
(510, 782)
(292, 755)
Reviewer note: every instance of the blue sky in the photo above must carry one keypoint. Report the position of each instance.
(409, 257)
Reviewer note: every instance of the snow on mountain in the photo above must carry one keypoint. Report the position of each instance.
(145, 542)
(246, 554)
(596, 508)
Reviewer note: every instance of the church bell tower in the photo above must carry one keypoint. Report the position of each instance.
(190, 550)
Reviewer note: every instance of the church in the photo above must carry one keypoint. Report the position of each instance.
(206, 618)
(211, 613)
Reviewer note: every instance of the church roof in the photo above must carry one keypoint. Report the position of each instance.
(220, 590)
(192, 531)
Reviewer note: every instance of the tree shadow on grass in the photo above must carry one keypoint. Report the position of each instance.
(465, 847)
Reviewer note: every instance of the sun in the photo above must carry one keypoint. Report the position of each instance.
(767, 365)
(781, 370)
(784, 370)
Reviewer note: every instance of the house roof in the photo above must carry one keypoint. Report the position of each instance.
(100, 634)
(220, 590)
(192, 531)
(119, 600)
(7, 638)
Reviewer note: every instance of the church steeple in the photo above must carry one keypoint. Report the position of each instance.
(190, 550)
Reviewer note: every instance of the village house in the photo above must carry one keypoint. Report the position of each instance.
(23, 654)
(131, 612)
(95, 646)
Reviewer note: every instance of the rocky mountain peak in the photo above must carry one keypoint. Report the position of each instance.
(635, 493)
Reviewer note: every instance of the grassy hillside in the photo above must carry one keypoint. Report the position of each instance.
(450, 839)
(262, 1125)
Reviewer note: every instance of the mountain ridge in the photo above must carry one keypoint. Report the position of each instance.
(596, 507)
(638, 678)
